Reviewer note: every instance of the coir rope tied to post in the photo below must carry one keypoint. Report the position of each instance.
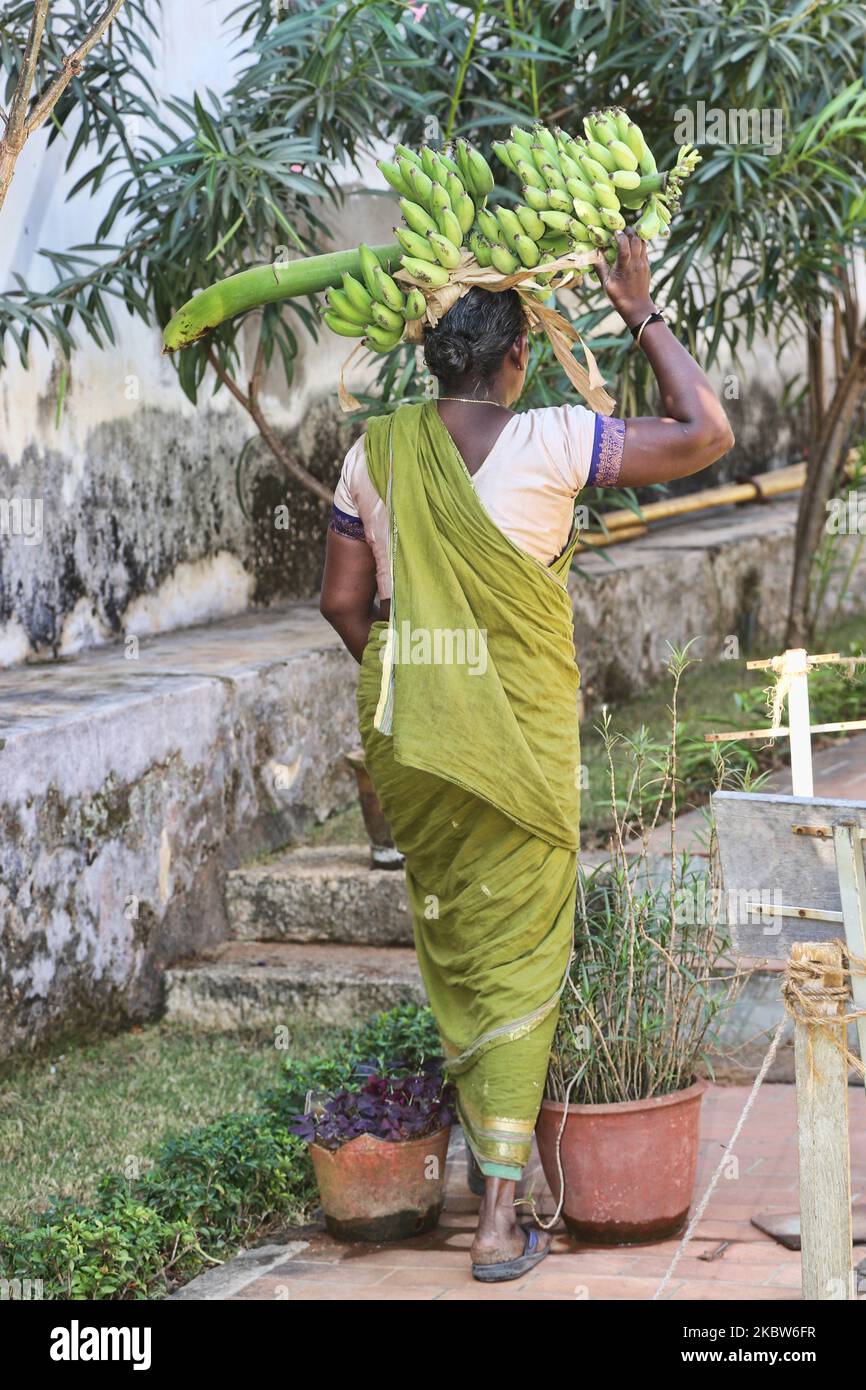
(805, 995)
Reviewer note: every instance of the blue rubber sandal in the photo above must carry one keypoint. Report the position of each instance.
(513, 1269)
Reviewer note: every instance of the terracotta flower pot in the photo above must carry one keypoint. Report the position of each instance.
(629, 1167)
(372, 1189)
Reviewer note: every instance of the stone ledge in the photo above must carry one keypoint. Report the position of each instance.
(230, 1279)
(129, 787)
(319, 895)
(719, 574)
(248, 986)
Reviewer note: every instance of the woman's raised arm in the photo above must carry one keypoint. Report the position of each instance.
(694, 431)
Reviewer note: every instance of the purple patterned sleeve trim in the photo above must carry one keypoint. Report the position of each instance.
(346, 525)
(606, 461)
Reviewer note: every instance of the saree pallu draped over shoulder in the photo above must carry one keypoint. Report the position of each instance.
(467, 703)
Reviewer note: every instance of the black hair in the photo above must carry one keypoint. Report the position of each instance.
(472, 339)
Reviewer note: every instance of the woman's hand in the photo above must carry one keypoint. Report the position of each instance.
(627, 283)
(691, 431)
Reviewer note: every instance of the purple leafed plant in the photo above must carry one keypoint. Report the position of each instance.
(391, 1108)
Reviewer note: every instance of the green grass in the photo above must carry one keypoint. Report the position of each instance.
(108, 1105)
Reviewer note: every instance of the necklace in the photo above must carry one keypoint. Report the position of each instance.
(468, 400)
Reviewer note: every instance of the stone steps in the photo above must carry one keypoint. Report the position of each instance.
(320, 937)
(316, 935)
(246, 985)
(327, 894)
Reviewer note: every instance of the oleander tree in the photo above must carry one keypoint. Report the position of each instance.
(766, 245)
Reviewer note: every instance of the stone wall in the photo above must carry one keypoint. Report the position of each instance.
(715, 577)
(129, 783)
(141, 529)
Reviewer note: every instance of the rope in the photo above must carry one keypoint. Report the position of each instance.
(777, 694)
(702, 1205)
(549, 1225)
(805, 996)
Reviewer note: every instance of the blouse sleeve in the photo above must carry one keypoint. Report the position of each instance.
(592, 447)
(345, 520)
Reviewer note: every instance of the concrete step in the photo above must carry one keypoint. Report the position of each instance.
(319, 894)
(244, 985)
(331, 894)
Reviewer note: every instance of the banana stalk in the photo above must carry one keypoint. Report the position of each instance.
(264, 284)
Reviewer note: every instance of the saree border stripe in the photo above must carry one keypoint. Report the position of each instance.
(383, 720)
(509, 1032)
(504, 1150)
(495, 1126)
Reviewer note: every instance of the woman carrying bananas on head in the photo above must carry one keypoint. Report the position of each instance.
(458, 513)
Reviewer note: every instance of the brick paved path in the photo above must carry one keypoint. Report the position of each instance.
(752, 1266)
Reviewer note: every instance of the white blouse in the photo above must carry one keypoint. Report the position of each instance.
(527, 484)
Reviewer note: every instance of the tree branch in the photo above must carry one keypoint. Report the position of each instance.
(250, 403)
(16, 127)
(72, 65)
(824, 466)
(20, 126)
(226, 380)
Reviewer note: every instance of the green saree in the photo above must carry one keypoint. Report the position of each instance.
(467, 704)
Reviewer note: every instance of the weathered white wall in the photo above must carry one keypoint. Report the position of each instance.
(141, 529)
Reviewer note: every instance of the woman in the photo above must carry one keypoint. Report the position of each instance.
(458, 513)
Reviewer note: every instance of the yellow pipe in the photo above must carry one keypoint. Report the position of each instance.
(595, 539)
(773, 484)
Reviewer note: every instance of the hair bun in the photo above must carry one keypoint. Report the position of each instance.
(448, 354)
(469, 343)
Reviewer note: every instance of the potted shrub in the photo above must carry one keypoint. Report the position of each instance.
(648, 985)
(379, 1152)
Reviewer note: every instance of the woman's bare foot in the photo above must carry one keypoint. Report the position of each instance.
(499, 1237)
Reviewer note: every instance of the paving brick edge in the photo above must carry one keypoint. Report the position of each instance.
(226, 1280)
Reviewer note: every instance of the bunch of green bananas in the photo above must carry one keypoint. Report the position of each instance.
(439, 193)
(373, 308)
(577, 193)
(511, 239)
(688, 159)
(579, 189)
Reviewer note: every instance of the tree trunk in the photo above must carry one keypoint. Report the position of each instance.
(824, 467)
(16, 123)
(20, 126)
